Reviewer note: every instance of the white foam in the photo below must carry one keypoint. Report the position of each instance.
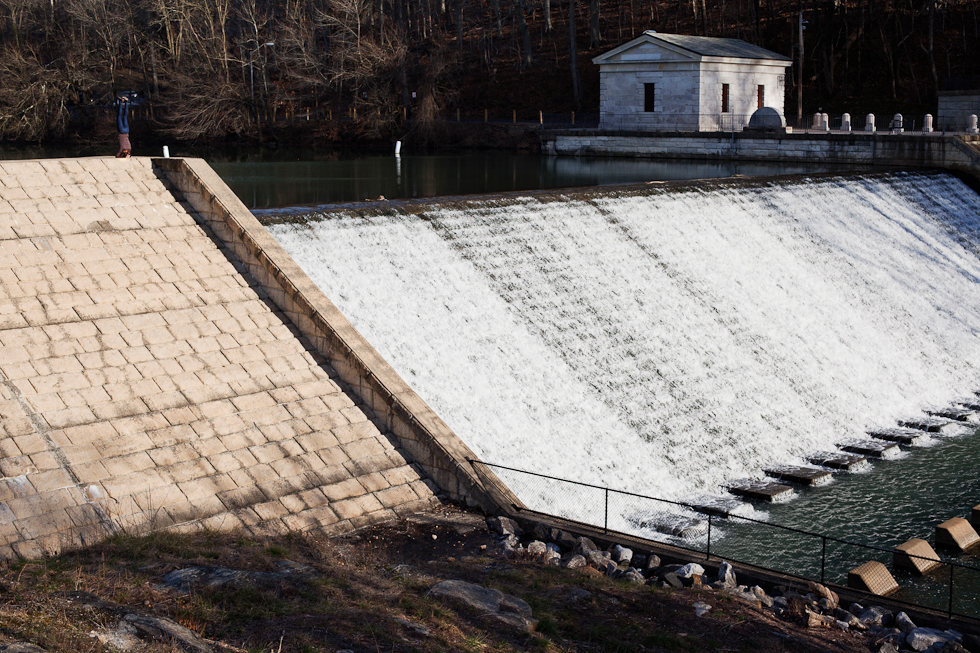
(667, 342)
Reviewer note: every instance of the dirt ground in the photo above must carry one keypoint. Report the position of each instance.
(368, 592)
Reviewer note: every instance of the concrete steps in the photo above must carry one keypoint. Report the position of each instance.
(147, 382)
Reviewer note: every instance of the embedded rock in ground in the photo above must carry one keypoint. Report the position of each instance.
(743, 594)
(575, 562)
(824, 593)
(700, 608)
(726, 575)
(922, 638)
(815, 620)
(653, 561)
(491, 604)
(634, 576)
(584, 545)
(876, 616)
(690, 570)
(566, 541)
(671, 579)
(189, 579)
(621, 554)
(161, 629)
(540, 532)
(848, 618)
(536, 548)
(598, 559)
(504, 526)
(21, 647)
(903, 623)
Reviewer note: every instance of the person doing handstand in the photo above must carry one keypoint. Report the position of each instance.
(122, 125)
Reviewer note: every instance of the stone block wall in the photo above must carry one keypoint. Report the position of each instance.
(953, 152)
(955, 108)
(430, 442)
(148, 380)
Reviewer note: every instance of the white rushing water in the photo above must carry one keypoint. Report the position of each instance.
(665, 341)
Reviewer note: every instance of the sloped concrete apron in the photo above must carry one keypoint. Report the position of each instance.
(164, 364)
(424, 435)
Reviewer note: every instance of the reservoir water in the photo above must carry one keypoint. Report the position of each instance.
(668, 339)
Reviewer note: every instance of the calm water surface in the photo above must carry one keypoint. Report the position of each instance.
(288, 177)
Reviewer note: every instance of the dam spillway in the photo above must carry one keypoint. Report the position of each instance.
(667, 340)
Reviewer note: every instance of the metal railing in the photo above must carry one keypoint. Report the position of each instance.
(712, 529)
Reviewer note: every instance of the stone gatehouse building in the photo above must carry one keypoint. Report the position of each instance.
(675, 82)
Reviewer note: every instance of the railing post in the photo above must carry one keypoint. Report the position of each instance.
(707, 554)
(823, 558)
(950, 609)
(605, 519)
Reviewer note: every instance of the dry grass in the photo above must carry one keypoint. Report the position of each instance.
(369, 594)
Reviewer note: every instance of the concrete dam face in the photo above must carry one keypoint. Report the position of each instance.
(667, 339)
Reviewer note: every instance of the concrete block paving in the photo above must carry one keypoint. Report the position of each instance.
(145, 381)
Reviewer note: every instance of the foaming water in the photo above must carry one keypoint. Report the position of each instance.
(666, 341)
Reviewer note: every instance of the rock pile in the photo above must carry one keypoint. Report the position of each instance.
(816, 605)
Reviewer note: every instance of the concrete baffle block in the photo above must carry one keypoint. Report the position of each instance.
(957, 533)
(872, 577)
(972, 129)
(845, 122)
(916, 556)
(869, 125)
(975, 517)
(927, 123)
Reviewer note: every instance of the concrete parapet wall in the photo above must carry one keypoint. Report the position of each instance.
(957, 153)
(419, 430)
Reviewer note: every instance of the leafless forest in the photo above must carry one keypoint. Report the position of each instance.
(220, 69)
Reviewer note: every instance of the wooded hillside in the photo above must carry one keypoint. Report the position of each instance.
(210, 67)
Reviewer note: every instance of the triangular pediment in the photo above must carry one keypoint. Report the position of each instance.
(646, 48)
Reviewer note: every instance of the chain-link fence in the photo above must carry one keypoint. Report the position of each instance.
(717, 527)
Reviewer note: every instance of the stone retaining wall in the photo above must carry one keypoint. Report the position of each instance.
(958, 153)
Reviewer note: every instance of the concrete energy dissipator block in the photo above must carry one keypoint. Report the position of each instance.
(872, 577)
(956, 533)
(916, 556)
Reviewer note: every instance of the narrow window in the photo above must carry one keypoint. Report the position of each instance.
(724, 98)
(762, 96)
(649, 95)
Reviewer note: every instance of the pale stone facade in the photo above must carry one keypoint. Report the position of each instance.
(698, 83)
(955, 109)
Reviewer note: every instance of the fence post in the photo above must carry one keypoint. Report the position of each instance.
(573, 118)
(457, 114)
(949, 612)
(605, 519)
(515, 116)
(823, 558)
(485, 112)
(541, 117)
(707, 555)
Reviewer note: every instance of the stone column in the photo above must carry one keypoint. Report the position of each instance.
(927, 123)
(896, 125)
(845, 122)
(869, 126)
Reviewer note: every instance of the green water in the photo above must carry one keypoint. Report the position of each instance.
(884, 507)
